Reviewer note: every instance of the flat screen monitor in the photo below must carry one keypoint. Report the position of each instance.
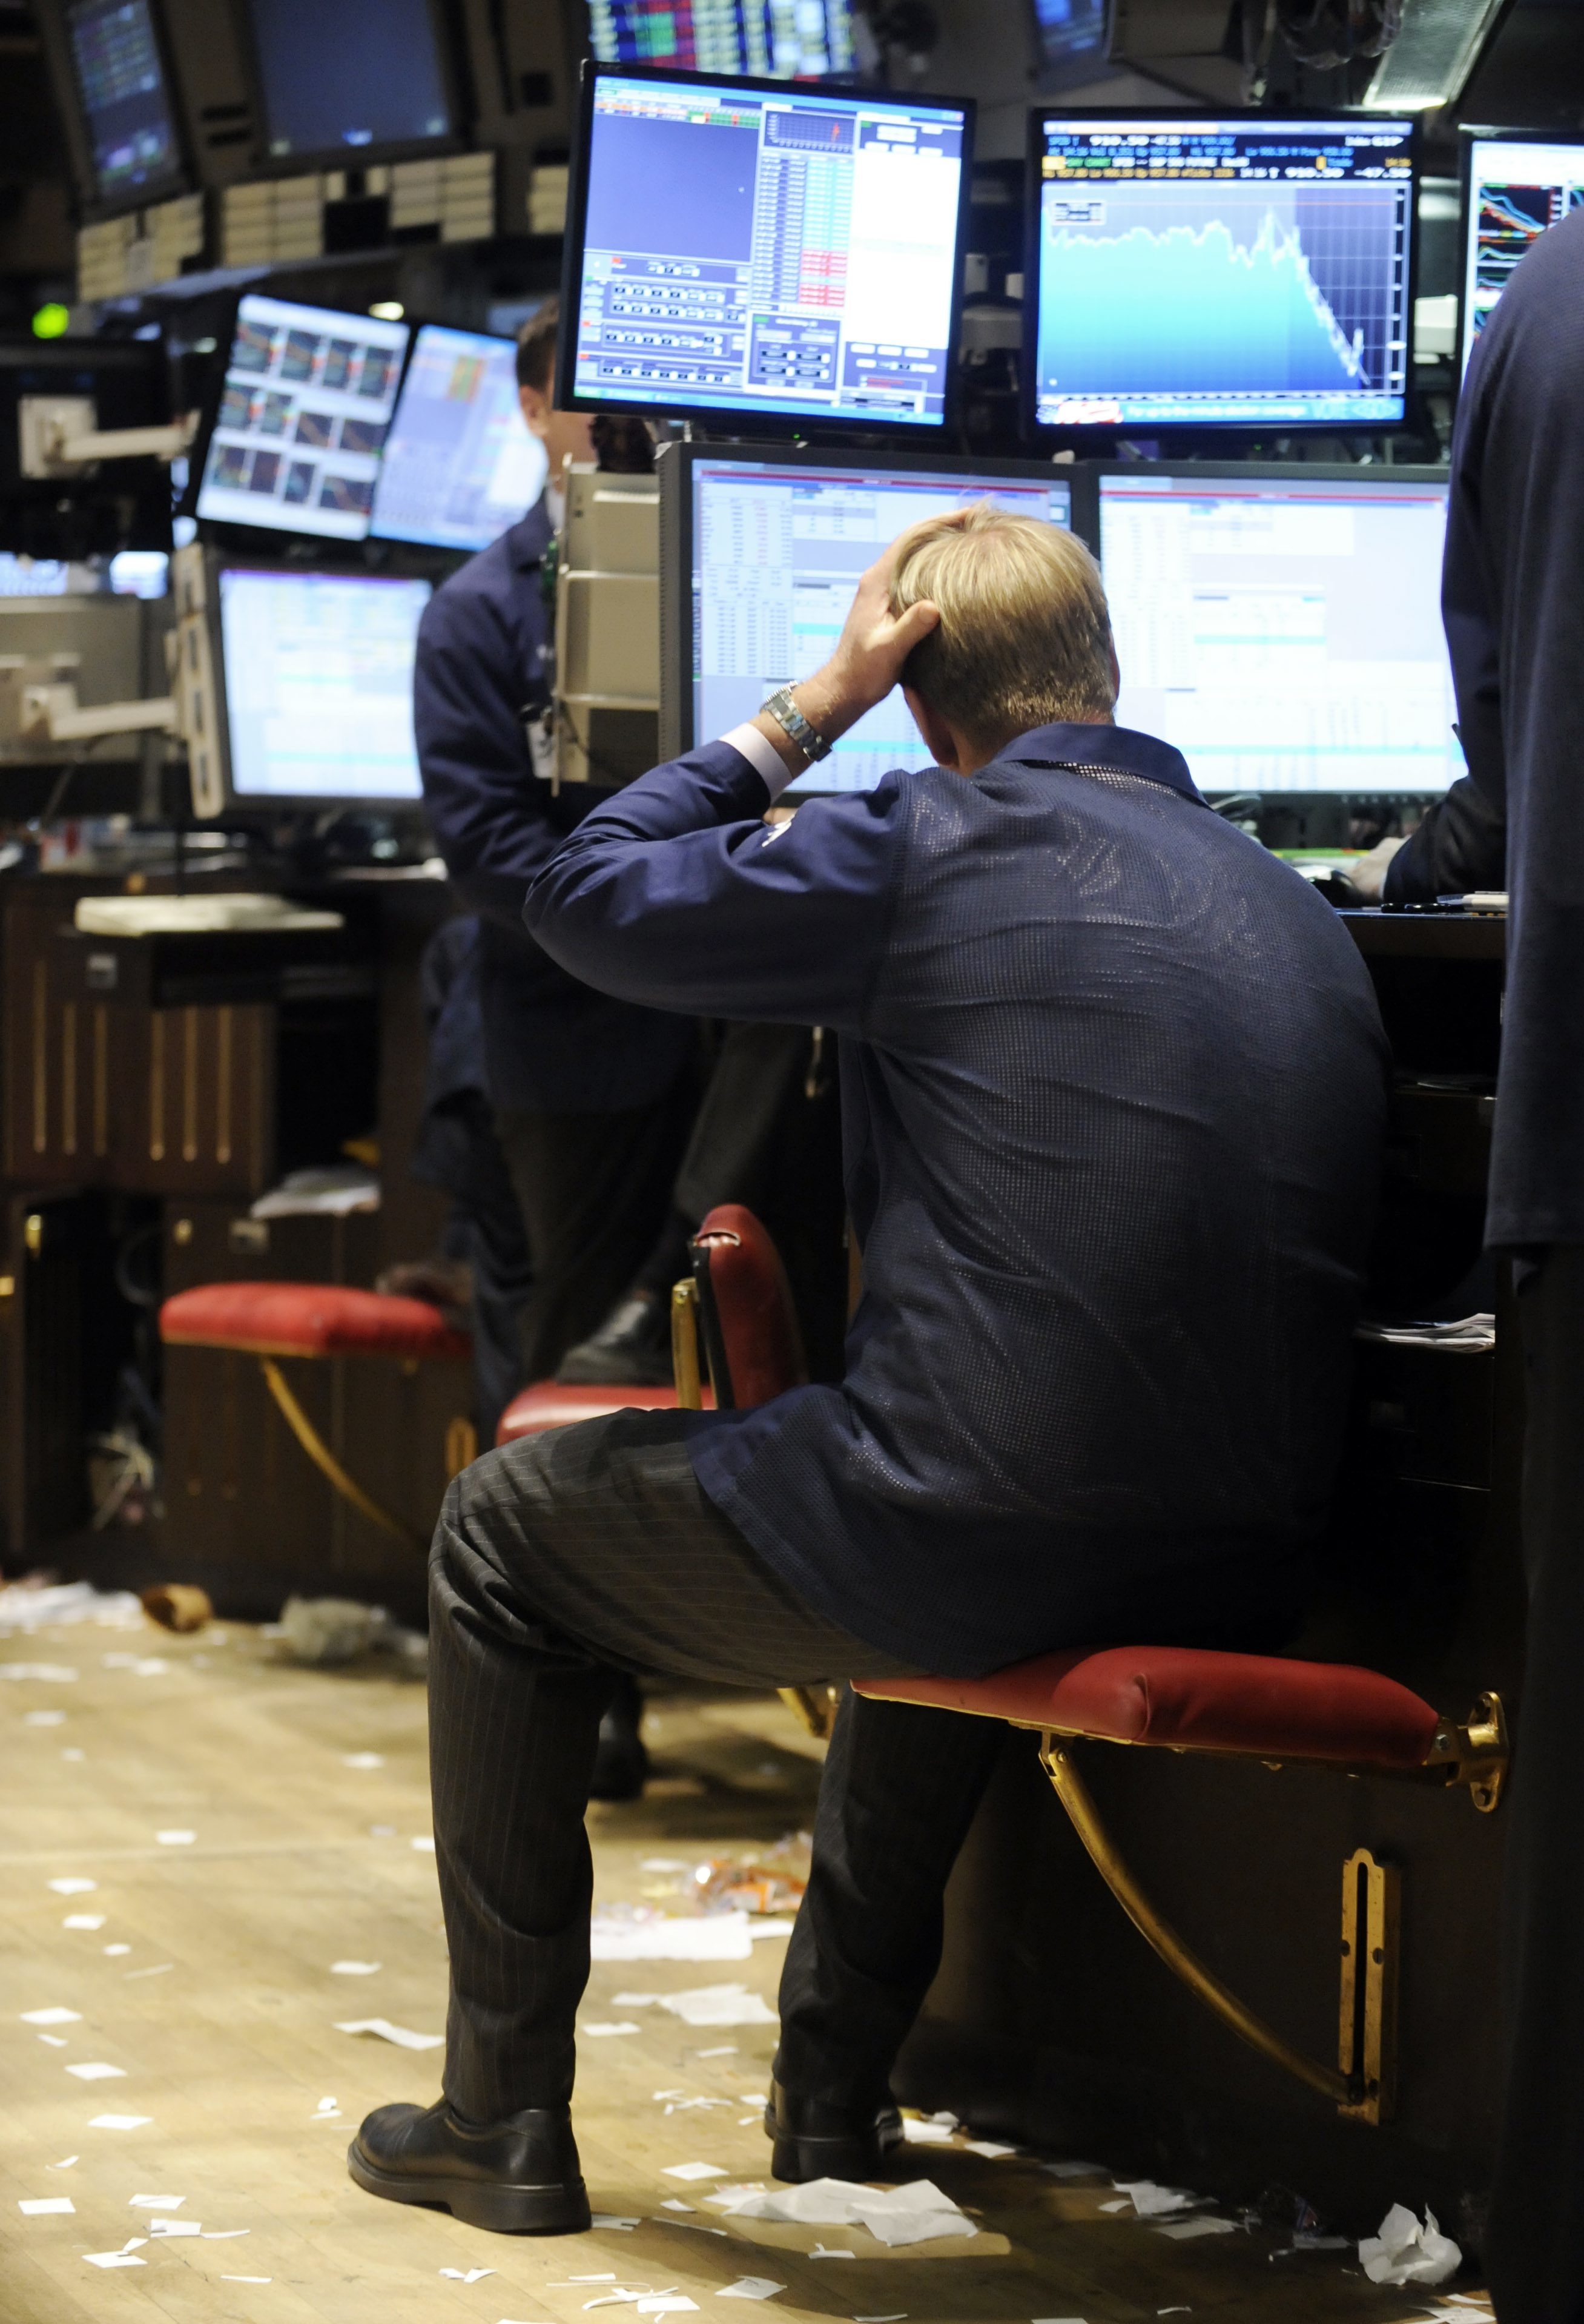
(761, 561)
(1515, 185)
(304, 407)
(1282, 627)
(346, 76)
(459, 464)
(779, 40)
(741, 248)
(1188, 272)
(1070, 40)
(317, 679)
(126, 99)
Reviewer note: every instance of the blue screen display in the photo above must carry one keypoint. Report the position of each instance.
(745, 251)
(126, 104)
(1203, 271)
(459, 465)
(775, 40)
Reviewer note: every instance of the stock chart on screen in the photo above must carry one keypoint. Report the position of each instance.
(1204, 271)
(1517, 187)
(779, 40)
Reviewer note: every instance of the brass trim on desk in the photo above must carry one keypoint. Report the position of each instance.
(225, 1034)
(40, 1057)
(189, 1081)
(156, 1086)
(101, 1086)
(68, 1077)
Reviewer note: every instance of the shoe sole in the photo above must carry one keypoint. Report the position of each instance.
(796, 2159)
(505, 2211)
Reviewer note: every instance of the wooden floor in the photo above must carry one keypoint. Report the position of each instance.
(207, 1980)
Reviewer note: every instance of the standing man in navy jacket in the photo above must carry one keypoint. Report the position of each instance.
(1113, 1095)
(592, 1095)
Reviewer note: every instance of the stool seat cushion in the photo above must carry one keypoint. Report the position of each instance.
(307, 1319)
(548, 1404)
(1186, 1698)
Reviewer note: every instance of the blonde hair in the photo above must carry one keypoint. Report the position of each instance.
(1025, 637)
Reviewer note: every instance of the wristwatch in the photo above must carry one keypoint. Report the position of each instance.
(792, 722)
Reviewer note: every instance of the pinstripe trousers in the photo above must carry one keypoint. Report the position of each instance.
(558, 1562)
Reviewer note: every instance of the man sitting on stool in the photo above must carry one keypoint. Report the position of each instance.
(1113, 1096)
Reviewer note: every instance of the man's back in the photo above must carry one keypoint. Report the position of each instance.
(1113, 1092)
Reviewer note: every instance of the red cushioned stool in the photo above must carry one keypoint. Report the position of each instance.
(1245, 1706)
(318, 1321)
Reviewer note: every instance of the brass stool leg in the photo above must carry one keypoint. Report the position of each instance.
(324, 1459)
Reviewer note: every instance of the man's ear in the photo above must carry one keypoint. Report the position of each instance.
(938, 738)
(536, 408)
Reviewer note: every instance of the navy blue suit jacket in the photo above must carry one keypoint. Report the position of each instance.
(552, 1044)
(1113, 1094)
(1513, 601)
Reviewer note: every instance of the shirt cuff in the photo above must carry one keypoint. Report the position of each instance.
(762, 756)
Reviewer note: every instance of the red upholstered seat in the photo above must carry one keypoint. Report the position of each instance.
(548, 1404)
(753, 1301)
(1187, 1700)
(307, 1319)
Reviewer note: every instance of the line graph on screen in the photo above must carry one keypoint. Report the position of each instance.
(1223, 289)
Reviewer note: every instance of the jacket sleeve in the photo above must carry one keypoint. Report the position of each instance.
(485, 808)
(676, 893)
(1462, 842)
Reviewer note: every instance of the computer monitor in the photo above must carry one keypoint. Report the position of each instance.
(1515, 183)
(760, 560)
(779, 40)
(317, 678)
(459, 465)
(351, 77)
(124, 94)
(1189, 272)
(295, 440)
(1282, 626)
(740, 248)
(1072, 38)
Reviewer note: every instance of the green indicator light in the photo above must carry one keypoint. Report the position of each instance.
(51, 321)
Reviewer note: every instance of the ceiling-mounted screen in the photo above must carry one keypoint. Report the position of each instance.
(1514, 186)
(1189, 272)
(347, 76)
(459, 465)
(1282, 627)
(777, 40)
(306, 399)
(736, 247)
(126, 97)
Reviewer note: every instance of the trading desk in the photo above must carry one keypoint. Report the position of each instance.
(1050, 2019)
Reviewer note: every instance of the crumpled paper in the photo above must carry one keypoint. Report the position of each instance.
(914, 2214)
(1404, 2252)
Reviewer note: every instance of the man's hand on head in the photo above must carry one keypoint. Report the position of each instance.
(870, 652)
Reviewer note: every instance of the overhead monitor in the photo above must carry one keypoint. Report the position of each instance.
(779, 40)
(1516, 184)
(739, 248)
(1072, 38)
(761, 560)
(1189, 272)
(350, 76)
(125, 93)
(306, 400)
(1282, 626)
(318, 682)
(459, 464)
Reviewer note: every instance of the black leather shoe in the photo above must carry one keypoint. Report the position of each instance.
(620, 1767)
(631, 1348)
(814, 2139)
(519, 2177)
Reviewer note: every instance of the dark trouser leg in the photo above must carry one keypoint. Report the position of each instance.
(1535, 2251)
(899, 1791)
(594, 1190)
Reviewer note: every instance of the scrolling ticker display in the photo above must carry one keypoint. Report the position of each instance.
(1218, 272)
(776, 39)
(771, 251)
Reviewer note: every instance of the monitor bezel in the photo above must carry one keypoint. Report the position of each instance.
(416, 331)
(179, 179)
(1374, 475)
(1089, 437)
(674, 465)
(218, 560)
(755, 425)
(226, 531)
(352, 156)
(1470, 133)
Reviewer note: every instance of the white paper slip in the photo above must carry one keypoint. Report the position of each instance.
(1153, 2202)
(43, 1718)
(224, 2235)
(48, 1674)
(245, 2279)
(467, 2274)
(355, 1969)
(716, 1936)
(916, 2213)
(927, 2134)
(719, 2005)
(361, 1759)
(114, 2259)
(120, 2121)
(73, 1886)
(994, 2150)
(175, 2227)
(94, 2070)
(38, 2207)
(160, 1969)
(54, 2041)
(176, 1838)
(424, 1843)
(694, 2171)
(51, 2017)
(114, 1950)
(156, 2202)
(1184, 2231)
(402, 2035)
(606, 2027)
(83, 1921)
(751, 2287)
(613, 2219)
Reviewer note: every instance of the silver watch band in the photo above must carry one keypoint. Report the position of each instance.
(792, 722)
